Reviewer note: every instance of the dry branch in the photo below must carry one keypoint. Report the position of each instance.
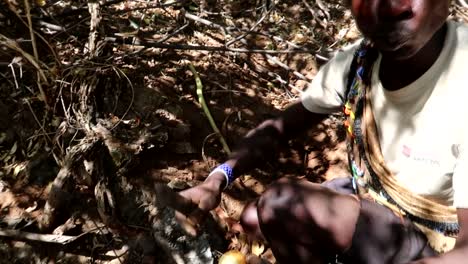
(251, 29)
(313, 13)
(11, 44)
(148, 44)
(462, 3)
(95, 13)
(35, 237)
(275, 60)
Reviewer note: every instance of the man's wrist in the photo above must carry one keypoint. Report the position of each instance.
(216, 181)
(224, 170)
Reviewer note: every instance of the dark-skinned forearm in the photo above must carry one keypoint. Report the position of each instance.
(263, 143)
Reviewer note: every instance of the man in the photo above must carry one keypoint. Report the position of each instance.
(403, 93)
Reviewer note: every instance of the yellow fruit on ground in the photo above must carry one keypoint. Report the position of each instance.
(232, 257)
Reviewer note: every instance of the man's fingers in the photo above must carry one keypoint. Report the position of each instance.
(188, 225)
(198, 215)
(191, 222)
(168, 197)
(190, 210)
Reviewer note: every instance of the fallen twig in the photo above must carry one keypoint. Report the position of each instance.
(51, 26)
(120, 72)
(175, 32)
(36, 54)
(39, 123)
(462, 3)
(45, 238)
(462, 12)
(12, 11)
(205, 159)
(95, 12)
(204, 21)
(271, 58)
(148, 44)
(323, 7)
(251, 29)
(276, 61)
(14, 46)
(297, 49)
(261, 69)
(312, 12)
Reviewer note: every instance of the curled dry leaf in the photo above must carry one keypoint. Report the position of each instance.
(14, 148)
(257, 248)
(31, 208)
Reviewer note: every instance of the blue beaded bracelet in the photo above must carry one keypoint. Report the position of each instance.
(227, 171)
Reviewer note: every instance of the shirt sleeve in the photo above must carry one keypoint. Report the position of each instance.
(460, 179)
(325, 95)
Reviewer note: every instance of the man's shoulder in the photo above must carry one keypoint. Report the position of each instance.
(343, 57)
(349, 49)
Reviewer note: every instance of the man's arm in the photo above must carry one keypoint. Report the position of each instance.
(259, 144)
(262, 143)
(459, 255)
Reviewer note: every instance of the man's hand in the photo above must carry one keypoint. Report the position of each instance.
(459, 255)
(259, 145)
(207, 196)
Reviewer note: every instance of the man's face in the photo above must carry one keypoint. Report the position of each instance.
(399, 28)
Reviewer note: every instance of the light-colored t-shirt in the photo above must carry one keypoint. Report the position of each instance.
(423, 127)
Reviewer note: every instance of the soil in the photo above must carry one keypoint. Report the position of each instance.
(237, 107)
(152, 90)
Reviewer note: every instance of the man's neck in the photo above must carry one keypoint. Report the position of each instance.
(396, 74)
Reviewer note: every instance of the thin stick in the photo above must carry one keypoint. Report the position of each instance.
(94, 11)
(45, 238)
(323, 7)
(20, 18)
(31, 30)
(45, 134)
(462, 3)
(117, 71)
(312, 12)
(212, 48)
(175, 32)
(14, 46)
(151, 44)
(36, 54)
(272, 59)
(251, 29)
(204, 21)
(51, 26)
(203, 146)
(276, 61)
(201, 100)
(297, 49)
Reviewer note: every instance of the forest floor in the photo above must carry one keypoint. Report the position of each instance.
(118, 72)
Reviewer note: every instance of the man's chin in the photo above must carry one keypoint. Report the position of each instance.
(401, 53)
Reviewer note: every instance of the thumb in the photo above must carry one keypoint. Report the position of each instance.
(209, 203)
(169, 197)
(186, 223)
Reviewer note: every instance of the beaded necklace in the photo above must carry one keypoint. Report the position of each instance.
(371, 178)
